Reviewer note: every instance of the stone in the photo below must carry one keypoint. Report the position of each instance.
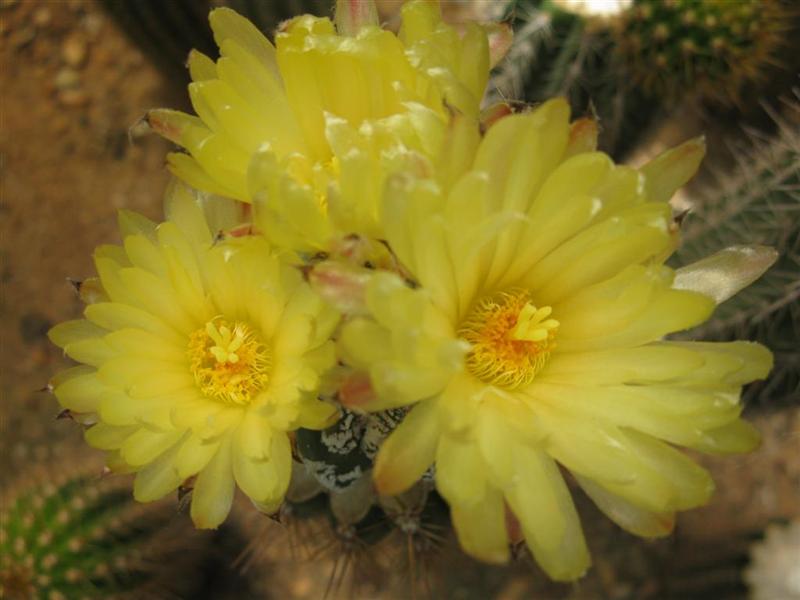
(74, 50)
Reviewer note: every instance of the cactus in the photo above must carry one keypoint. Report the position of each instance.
(394, 543)
(629, 69)
(560, 53)
(711, 48)
(761, 204)
(80, 535)
(341, 454)
(333, 516)
(337, 463)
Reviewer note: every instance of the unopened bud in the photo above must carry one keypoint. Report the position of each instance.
(342, 285)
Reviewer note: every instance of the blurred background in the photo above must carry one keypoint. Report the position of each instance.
(76, 76)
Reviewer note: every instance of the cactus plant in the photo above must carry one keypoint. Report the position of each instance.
(711, 48)
(333, 515)
(560, 53)
(395, 543)
(763, 203)
(77, 534)
(630, 68)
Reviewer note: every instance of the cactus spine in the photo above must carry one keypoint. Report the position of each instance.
(710, 48)
(629, 68)
(761, 204)
(560, 53)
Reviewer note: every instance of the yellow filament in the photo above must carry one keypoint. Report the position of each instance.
(511, 338)
(229, 361)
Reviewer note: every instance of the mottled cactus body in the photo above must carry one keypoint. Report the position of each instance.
(333, 516)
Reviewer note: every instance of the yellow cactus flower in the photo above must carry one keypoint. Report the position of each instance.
(197, 360)
(288, 105)
(531, 335)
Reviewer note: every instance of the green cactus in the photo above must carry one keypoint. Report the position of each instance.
(81, 535)
(711, 48)
(761, 205)
(629, 69)
(560, 53)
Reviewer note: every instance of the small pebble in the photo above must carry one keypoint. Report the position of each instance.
(73, 98)
(60, 123)
(119, 200)
(42, 16)
(22, 37)
(93, 24)
(67, 78)
(74, 50)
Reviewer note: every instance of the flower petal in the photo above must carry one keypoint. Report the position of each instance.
(159, 478)
(628, 516)
(481, 527)
(670, 170)
(724, 274)
(213, 490)
(460, 471)
(408, 451)
(544, 507)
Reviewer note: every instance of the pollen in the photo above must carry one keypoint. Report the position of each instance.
(229, 361)
(511, 338)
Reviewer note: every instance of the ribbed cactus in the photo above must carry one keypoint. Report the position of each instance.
(710, 48)
(80, 535)
(760, 202)
(560, 53)
(629, 68)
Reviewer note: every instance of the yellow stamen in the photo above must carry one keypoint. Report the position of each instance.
(511, 338)
(229, 362)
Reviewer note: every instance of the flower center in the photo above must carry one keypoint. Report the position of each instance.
(229, 362)
(511, 339)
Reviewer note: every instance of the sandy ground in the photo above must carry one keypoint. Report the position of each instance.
(72, 85)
